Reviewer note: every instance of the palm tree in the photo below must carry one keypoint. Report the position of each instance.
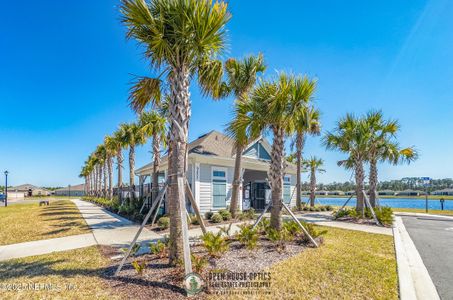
(181, 38)
(121, 143)
(133, 136)
(154, 124)
(241, 77)
(314, 164)
(383, 147)
(307, 123)
(273, 105)
(111, 148)
(351, 136)
(100, 154)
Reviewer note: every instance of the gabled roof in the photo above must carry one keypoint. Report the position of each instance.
(213, 143)
(78, 187)
(217, 144)
(26, 187)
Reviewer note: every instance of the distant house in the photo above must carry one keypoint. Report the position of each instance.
(410, 192)
(210, 172)
(386, 193)
(443, 192)
(322, 193)
(74, 190)
(336, 193)
(30, 190)
(350, 193)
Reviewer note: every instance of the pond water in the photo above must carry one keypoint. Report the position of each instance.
(391, 202)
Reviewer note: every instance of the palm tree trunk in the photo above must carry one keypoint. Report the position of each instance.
(373, 182)
(95, 182)
(276, 177)
(156, 163)
(179, 110)
(104, 191)
(359, 178)
(312, 186)
(236, 181)
(299, 145)
(110, 167)
(131, 170)
(120, 159)
(99, 180)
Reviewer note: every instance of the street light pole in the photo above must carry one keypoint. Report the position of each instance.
(6, 188)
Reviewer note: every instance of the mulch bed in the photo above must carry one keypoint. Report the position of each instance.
(207, 223)
(162, 281)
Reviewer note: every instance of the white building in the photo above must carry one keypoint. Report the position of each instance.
(211, 169)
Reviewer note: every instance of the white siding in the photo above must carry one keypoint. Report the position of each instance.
(205, 188)
(293, 190)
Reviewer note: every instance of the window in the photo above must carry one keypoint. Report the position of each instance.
(287, 189)
(218, 174)
(218, 188)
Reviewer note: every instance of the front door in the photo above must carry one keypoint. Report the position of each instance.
(259, 195)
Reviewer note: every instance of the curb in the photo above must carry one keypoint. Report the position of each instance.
(422, 215)
(414, 279)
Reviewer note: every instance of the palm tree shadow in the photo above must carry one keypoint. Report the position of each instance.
(14, 269)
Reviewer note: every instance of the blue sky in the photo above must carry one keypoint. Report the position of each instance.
(65, 71)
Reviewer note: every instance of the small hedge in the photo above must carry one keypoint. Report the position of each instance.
(216, 218)
(163, 223)
(384, 214)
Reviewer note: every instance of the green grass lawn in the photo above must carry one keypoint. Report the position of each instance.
(431, 211)
(431, 197)
(75, 274)
(349, 265)
(29, 222)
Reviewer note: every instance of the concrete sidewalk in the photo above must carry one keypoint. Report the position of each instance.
(111, 229)
(326, 219)
(46, 246)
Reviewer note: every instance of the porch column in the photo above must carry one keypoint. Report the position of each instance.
(241, 186)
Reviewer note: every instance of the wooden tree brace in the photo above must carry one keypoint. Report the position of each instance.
(161, 195)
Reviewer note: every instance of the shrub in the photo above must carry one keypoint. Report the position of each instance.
(208, 215)
(193, 219)
(311, 229)
(226, 215)
(263, 225)
(347, 212)
(198, 263)
(312, 209)
(226, 230)
(292, 228)
(306, 208)
(385, 215)
(248, 236)
(279, 238)
(139, 266)
(216, 218)
(249, 214)
(215, 244)
(134, 249)
(163, 223)
(159, 248)
(329, 207)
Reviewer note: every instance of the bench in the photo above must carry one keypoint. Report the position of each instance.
(43, 202)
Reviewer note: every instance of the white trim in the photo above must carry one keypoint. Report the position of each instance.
(196, 178)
